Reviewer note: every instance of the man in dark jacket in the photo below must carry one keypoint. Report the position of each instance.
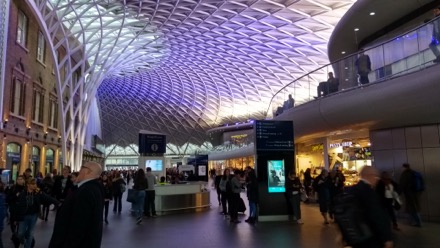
(63, 185)
(79, 220)
(29, 203)
(374, 214)
(412, 197)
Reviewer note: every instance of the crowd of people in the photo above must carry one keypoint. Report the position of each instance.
(379, 196)
(81, 201)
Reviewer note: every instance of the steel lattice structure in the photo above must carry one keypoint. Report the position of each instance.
(180, 67)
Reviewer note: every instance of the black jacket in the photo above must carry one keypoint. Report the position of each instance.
(58, 190)
(29, 203)
(79, 219)
(374, 213)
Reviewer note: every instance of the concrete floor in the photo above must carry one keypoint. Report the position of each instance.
(210, 229)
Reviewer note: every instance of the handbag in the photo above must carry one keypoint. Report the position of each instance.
(131, 195)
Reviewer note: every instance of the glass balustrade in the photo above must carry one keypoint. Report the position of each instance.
(403, 54)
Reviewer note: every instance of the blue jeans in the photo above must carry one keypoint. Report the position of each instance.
(139, 204)
(252, 209)
(26, 229)
(296, 205)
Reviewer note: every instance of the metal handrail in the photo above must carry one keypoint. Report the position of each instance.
(350, 56)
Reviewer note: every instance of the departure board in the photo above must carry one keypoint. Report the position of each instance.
(274, 135)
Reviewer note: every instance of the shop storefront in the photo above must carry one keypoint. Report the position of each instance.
(13, 158)
(348, 155)
(235, 163)
(351, 156)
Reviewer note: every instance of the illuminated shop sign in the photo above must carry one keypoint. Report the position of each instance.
(317, 148)
(342, 144)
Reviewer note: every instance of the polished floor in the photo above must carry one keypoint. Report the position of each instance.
(210, 229)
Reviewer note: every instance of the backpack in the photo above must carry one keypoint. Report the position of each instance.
(123, 187)
(418, 182)
(348, 214)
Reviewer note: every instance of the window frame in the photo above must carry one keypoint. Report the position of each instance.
(22, 27)
(41, 48)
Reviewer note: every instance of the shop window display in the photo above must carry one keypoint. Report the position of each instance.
(353, 159)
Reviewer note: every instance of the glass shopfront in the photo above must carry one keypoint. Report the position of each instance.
(35, 161)
(350, 156)
(49, 161)
(13, 154)
(234, 163)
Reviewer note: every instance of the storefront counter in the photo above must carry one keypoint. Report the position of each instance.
(190, 196)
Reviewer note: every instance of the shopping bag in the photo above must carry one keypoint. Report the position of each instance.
(131, 195)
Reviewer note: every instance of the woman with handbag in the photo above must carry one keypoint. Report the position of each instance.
(388, 190)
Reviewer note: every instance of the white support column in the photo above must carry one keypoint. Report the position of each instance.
(4, 28)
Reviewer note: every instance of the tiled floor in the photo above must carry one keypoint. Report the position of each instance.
(210, 229)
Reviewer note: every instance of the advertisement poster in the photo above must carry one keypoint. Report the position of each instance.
(202, 170)
(276, 176)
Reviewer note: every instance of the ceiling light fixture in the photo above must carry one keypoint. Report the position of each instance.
(372, 13)
(343, 52)
(356, 29)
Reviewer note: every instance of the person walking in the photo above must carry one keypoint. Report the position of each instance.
(388, 190)
(78, 222)
(225, 193)
(252, 194)
(118, 184)
(108, 195)
(322, 184)
(363, 66)
(140, 185)
(411, 193)
(47, 187)
(29, 203)
(373, 214)
(12, 201)
(234, 197)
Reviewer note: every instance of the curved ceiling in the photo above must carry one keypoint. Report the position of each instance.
(218, 61)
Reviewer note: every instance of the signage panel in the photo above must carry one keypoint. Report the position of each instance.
(152, 143)
(274, 135)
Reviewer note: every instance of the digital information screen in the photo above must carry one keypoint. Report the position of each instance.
(155, 165)
(276, 176)
(274, 135)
